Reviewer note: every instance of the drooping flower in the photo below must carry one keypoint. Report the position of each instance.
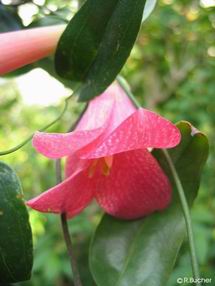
(107, 158)
(27, 46)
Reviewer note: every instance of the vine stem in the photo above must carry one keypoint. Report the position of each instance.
(73, 262)
(68, 241)
(187, 216)
(14, 149)
(65, 229)
(28, 139)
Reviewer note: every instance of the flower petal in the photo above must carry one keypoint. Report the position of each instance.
(113, 99)
(103, 114)
(24, 47)
(74, 165)
(70, 197)
(143, 129)
(135, 187)
(57, 145)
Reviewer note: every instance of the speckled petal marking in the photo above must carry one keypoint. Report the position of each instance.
(143, 129)
(58, 145)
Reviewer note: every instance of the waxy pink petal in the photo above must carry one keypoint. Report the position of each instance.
(56, 145)
(135, 187)
(103, 114)
(143, 129)
(74, 165)
(70, 197)
(112, 102)
(27, 46)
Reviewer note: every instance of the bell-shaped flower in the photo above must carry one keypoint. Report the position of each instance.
(24, 47)
(108, 159)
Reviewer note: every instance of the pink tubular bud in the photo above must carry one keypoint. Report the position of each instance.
(20, 48)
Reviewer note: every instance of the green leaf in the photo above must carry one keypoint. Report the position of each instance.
(143, 252)
(149, 7)
(16, 239)
(97, 43)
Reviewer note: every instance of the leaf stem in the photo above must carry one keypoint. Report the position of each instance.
(187, 217)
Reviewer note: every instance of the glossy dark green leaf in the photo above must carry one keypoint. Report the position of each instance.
(15, 232)
(143, 252)
(97, 42)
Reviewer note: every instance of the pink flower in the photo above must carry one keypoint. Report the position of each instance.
(108, 159)
(27, 46)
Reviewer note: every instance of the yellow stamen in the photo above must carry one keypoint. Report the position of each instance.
(92, 168)
(108, 162)
(105, 165)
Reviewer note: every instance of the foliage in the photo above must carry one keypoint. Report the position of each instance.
(171, 70)
(16, 241)
(95, 57)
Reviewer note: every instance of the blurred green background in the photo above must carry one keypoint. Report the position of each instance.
(171, 70)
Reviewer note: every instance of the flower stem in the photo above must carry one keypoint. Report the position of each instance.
(187, 216)
(122, 82)
(58, 170)
(73, 262)
(64, 224)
